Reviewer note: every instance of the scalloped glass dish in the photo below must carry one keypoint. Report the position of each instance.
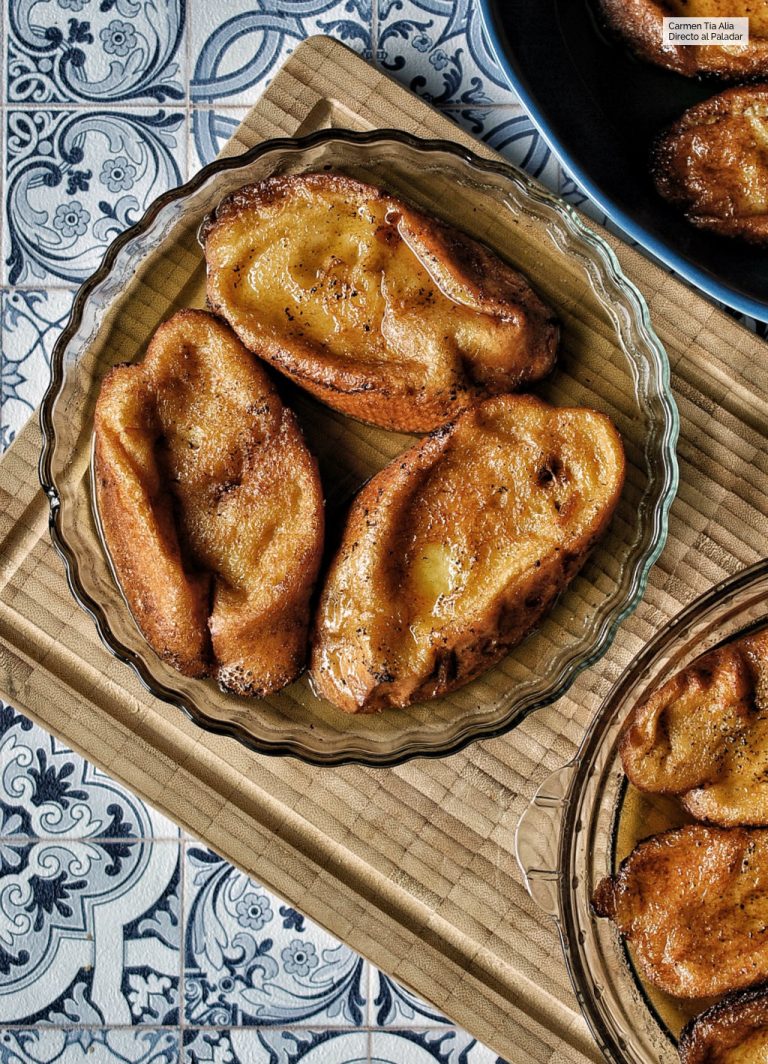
(585, 819)
(610, 360)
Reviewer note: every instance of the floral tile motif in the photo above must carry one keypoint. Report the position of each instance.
(47, 791)
(269, 1046)
(510, 131)
(393, 1005)
(239, 46)
(89, 933)
(83, 51)
(251, 961)
(209, 130)
(30, 323)
(75, 179)
(440, 50)
(446, 1046)
(87, 1046)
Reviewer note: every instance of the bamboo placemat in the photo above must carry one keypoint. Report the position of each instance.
(412, 866)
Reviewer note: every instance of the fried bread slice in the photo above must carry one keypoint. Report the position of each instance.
(640, 23)
(703, 735)
(377, 309)
(713, 164)
(734, 1031)
(454, 551)
(210, 505)
(693, 904)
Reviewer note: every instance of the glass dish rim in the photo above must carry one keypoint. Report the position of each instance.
(700, 609)
(571, 669)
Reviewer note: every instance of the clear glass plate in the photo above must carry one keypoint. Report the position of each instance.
(611, 360)
(575, 832)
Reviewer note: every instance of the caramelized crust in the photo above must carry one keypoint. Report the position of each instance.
(377, 309)
(713, 164)
(455, 550)
(704, 735)
(639, 23)
(734, 1031)
(694, 905)
(211, 506)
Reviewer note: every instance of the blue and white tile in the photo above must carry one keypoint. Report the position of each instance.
(446, 1046)
(75, 179)
(439, 49)
(48, 791)
(45, 1045)
(83, 51)
(30, 323)
(250, 960)
(392, 1005)
(265, 1046)
(510, 131)
(89, 933)
(238, 47)
(209, 131)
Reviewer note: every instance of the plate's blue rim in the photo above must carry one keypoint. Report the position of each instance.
(683, 267)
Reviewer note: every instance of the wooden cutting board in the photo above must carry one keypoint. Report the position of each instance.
(413, 866)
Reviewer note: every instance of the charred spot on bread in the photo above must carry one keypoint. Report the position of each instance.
(467, 552)
(404, 321)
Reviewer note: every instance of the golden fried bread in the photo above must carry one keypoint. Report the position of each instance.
(211, 506)
(713, 164)
(453, 552)
(639, 23)
(703, 735)
(734, 1031)
(693, 904)
(377, 309)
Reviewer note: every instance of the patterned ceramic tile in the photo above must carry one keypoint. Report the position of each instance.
(86, 51)
(43, 1045)
(447, 1046)
(75, 179)
(30, 323)
(237, 46)
(209, 129)
(47, 791)
(251, 1046)
(509, 130)
(89, 932)
(439, 49)
(250, 960)
(392, 1005)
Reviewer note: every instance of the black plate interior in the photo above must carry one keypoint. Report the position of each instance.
(603, 107)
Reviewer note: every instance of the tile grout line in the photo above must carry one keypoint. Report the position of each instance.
(61, 286)
(101, 840)
(300, 1027)
(191, 105)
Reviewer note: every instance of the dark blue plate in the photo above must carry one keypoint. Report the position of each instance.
(599, 109)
